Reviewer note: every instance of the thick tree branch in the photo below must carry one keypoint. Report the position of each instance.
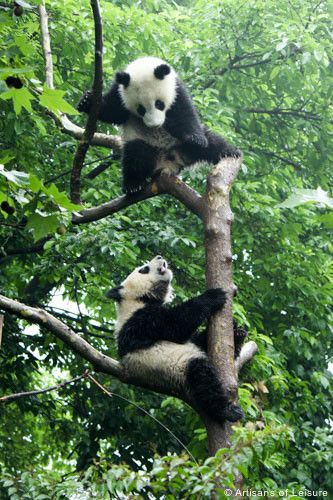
(46, 45)
(100, 361)
(75, 184)
(164, 184)
(248, 351)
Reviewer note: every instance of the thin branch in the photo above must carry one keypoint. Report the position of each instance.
(46, 45)
(111, 394)
(10, 397)
(2, 322)
(232, 65)
(288, 112)
(75, 183)
(163, 184)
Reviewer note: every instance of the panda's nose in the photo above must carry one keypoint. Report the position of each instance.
(159, 257)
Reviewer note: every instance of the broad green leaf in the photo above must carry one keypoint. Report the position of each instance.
(301, 196)
(53, 100)
(21, 98)
(41, 225)
(18, 178)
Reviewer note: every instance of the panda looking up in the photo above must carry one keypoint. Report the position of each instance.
(157, 341)
(159, 125)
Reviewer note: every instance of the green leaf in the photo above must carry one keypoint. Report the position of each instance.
(53, 100)
(18, 178)
(301, 196)
(274, 72)
(41, 225)
(60, 197)
(21, 98)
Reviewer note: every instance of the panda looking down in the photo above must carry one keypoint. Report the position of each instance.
(159, 125)
(157, 341)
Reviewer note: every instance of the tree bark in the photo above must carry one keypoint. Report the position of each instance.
(217, 223)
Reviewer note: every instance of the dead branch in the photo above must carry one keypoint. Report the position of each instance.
(75, 183)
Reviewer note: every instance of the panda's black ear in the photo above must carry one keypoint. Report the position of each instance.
(161, 71)
(115, 293)
(123, 77)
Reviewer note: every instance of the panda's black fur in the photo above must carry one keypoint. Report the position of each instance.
(157, 341)
(160, 128)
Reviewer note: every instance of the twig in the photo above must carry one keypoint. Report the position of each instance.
(75, 183)
(10, 397)
(111, 394)
(2, 321)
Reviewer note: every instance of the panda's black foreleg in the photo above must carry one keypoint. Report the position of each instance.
(208, 394)
(199, 338)
(139, 163)
(216, 149)
(240, 335)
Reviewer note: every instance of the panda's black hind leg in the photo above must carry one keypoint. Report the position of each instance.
(139, 163)
(208, 394)
(218, 148)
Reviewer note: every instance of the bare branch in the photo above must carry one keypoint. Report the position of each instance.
(10, 397)
(69, 128)
(164, 184)
(249, 350)
(80, 346)
(2, 321)
(100, 361)
(75, 183)
(46, 45)
(288, 112)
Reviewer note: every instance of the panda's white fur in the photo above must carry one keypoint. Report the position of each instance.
(159, 125)
(146, 90)
(157, 341)
(138, 284)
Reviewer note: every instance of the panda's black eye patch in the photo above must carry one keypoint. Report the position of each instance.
(144, 270)
(159, 105)
(141, 110)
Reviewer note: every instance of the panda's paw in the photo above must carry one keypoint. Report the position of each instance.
(233, 413)
(85, 102)
(133, 187)
(232, 152)
(196, 139)
(216, 297)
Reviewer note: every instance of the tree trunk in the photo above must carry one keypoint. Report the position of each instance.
(217, 223)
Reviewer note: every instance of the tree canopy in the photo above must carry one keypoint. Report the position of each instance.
(260, 74)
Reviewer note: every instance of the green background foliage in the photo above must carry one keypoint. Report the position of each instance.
(260, 74)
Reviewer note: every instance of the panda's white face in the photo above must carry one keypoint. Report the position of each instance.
(148, 282)
(148, 89)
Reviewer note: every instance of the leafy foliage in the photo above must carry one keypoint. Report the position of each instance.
(259, 74)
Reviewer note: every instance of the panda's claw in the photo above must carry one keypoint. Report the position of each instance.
(233, 413)
(85, 102)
